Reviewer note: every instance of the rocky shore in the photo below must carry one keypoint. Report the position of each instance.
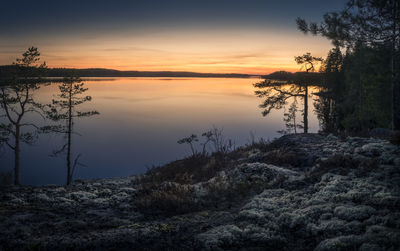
(299, 192)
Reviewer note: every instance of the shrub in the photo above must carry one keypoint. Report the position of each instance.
(261, 144)
(190, 170)
(171, 199)
(283, 157)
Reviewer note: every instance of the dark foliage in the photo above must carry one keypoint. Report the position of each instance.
(196, 168)
(362, 87)
(315, 78)
(395, 138)
(283, 157)
(170, 199)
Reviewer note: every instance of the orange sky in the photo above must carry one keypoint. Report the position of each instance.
(224, 36)
(231, 51)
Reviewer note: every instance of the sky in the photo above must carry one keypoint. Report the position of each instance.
(225, 36)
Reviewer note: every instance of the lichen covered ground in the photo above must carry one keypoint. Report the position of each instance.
(300, 192)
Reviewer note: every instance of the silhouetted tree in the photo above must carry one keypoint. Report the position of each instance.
(366, 101)
(17, 101)
(64, 109)
(290, 119)
(190, 141)
(307, 63)
(215, 137)
(277, 93)
(366, 23)
(330, 96)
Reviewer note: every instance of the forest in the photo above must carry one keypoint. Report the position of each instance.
(360, 76)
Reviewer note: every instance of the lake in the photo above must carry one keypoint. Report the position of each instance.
(140, 121)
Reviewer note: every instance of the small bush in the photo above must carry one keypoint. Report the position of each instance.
(174, 199)
(190, 170)
(261, 144)
(283, 157)
(166, 200)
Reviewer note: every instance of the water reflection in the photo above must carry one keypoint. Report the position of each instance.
(140, 122)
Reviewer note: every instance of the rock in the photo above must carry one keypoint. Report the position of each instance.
(82, 196)
(43, 197)
(381, 133)
(266, 169)
(333, 226)
(254, 155)
(65, 201)
(369, 247)
(105, 192)
(372, 149)
(99, 213)
(221, 218)
(17, 201)
(258, 199)
(262, 237)
(331, 137)
(122, 196)
(101, 202)
(219, 238)
(350, 242)
(127, 190)
(350, 213)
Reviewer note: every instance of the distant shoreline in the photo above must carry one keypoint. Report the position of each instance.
(6, 81)
(8, 71)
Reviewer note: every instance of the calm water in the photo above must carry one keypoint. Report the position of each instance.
(141, 120)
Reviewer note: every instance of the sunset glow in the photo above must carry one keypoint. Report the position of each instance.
(214, 40)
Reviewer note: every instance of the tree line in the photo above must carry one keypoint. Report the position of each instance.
(8, 71)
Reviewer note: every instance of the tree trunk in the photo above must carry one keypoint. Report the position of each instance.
(396, 102)
(16, 155)
(395, 75)
(69, 154)
(69, 134)
(305, 112)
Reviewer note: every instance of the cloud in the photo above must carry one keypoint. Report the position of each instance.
(131, 48)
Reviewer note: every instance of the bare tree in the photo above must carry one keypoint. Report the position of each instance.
(190, 141)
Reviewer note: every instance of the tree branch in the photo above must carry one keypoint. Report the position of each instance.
(10, 146)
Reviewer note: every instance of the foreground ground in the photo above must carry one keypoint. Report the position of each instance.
(300, 192)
